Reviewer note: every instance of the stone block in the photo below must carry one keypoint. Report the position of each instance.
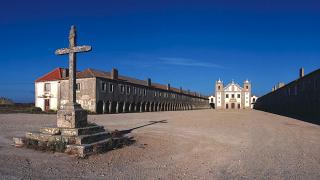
(81, 131)
(71, 116)
(50, 130)
(18, 141)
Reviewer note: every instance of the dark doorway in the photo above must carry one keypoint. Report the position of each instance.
(233, 106)
(100, 107)
(47, 104)
(238, 106)
(212, 105)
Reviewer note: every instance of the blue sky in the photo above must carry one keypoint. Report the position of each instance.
(184, 43)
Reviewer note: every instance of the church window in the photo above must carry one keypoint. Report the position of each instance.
(218, 87)
(238, 95)
(145, 92)
(227, 95)
(47, 87)
(232, 95)
(111, 87)
(78, 87)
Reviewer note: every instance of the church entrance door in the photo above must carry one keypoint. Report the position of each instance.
(233, 106)
(47, 104)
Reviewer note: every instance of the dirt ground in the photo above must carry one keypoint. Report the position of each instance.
(201, 144)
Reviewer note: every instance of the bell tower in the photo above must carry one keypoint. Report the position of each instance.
(246, 101)
(219, 94)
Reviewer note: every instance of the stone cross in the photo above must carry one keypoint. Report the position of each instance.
(72, 51)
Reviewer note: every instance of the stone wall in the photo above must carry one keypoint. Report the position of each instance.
(299, 99)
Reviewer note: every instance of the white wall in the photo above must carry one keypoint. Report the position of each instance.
(52, 95)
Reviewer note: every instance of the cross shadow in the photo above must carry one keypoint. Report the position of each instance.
(124, 137)
(127, 131)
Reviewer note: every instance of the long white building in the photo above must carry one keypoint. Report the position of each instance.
(232, 96)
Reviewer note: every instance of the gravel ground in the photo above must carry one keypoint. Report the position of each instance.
(202, 144)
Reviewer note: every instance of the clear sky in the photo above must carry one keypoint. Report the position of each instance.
(184, 43)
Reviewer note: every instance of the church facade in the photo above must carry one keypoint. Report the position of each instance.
(232, 96)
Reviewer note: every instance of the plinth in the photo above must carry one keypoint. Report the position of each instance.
(73, 132)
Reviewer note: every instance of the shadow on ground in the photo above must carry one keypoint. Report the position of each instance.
(314, 119)
(125, 138)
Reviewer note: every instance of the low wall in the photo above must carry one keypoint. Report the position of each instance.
(299, 99)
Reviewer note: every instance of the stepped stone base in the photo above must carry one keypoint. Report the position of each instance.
(78, 141)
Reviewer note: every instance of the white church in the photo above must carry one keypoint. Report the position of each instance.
(232, 96)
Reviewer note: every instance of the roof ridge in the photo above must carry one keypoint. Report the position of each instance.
(57, 68)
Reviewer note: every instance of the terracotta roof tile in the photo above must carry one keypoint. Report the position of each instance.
(56, 74)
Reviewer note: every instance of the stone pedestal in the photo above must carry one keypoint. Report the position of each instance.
(71, 116)
(73, 133)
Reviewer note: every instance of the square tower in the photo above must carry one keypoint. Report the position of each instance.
(219, 93)
(246, 94)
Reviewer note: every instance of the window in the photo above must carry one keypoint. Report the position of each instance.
(155, 94)
(145, 92)
(103, 86)
(160, 94)
(247, 87)
(218, 87)
(254, 100)
(232, 96)
(78, 87)
(128, 89)
(111, 87)
(227, 95)
(238, 95)
(47, 87)
(140, 92)
(121, 88)
(135, 90)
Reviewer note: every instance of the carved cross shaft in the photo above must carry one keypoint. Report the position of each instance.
(72, 50)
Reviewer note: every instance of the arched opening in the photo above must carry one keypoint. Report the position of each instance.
(106, 107)
(137, 107)
(120, 107)
(126, 107)
(142, 107)
(156, 107)
(99, 107)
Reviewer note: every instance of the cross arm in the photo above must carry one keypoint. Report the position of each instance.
(62, 51)
(76, 49)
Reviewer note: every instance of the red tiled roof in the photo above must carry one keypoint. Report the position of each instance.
(54, 75)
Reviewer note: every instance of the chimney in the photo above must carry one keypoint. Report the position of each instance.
(64, 73)
(149, 82)
(114, 73)
(301, 72)
(168, 87)
(280, 84)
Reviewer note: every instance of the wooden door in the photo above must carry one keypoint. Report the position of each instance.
(47, 104)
